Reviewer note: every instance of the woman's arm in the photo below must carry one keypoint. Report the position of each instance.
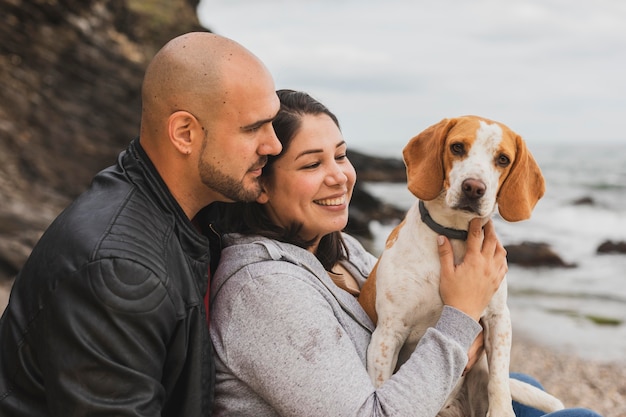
(282, 337)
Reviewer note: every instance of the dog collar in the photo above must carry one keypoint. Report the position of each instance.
(437, 228)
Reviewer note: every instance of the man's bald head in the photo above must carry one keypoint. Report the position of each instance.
(192, 72)
(206, 122)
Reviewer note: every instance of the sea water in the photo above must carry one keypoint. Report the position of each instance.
(583, 308)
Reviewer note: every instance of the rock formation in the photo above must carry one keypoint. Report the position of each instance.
(70, 78)
(609, 246)
(534, 254)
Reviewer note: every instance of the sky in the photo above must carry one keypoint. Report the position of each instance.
(554, 71)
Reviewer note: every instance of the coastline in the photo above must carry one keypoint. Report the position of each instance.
(599, 386)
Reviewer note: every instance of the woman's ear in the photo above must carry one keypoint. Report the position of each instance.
(264, 197)
(182, 127)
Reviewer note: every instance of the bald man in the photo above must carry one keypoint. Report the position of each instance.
(108, 316)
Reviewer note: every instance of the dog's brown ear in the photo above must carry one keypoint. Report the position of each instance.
(523, 187)
(423, 157)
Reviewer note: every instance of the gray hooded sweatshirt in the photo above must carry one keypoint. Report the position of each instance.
(289, 342)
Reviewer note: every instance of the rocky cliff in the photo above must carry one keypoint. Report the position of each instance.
(70, 77)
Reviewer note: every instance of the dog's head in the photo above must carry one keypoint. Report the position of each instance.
(474, 163)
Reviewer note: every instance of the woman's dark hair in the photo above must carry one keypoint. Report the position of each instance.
(251, 218)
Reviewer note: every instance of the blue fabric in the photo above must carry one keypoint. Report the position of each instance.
(525, 411)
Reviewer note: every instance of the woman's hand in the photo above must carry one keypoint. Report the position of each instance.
(475, 352)
(470, 285)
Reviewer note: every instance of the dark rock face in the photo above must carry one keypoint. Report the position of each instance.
(70, 79)
(365, 208)
(375, 169)
(532, 254)
(71, 76)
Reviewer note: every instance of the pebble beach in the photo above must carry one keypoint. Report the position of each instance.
(577, 382)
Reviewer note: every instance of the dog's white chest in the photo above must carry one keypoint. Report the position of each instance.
(409, 273)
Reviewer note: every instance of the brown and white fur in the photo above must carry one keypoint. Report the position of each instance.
(461, 168)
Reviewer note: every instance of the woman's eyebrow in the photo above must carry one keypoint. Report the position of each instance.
(310, 151)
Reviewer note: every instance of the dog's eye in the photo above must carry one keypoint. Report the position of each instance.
(457, 149)
(503, 161)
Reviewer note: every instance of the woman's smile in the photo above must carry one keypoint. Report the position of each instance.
(334, 201)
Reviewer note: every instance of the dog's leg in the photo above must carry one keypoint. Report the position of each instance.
(382, 352)
(498, 335)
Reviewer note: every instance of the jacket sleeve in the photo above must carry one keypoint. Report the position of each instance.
(106, 334)
(279, 335)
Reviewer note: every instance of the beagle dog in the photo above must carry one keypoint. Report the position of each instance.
(459, 169)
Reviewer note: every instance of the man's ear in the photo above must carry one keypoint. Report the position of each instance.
(181, 128)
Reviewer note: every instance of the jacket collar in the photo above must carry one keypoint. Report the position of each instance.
(144, 175)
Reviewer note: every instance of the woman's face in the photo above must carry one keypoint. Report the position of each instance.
(312, 181)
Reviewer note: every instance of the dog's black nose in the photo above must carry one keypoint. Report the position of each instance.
(474, 189)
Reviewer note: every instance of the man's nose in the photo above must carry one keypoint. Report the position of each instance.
(271, 145)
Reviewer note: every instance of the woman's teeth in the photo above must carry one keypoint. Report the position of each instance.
(331, 201)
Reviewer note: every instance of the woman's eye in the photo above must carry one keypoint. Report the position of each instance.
(341, 157)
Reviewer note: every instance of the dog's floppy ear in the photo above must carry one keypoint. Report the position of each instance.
(423, 157)
(523, 187)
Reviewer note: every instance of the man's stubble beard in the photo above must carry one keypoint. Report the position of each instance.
(232, 188)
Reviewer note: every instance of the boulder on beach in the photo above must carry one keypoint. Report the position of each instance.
(364, 208)
(609, 246)
(377, 169)
(584, 201)
(535, 254)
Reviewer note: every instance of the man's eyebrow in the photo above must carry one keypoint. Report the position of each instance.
(258, 124)
(310, 151)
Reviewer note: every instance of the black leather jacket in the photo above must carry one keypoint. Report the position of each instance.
(107, 315)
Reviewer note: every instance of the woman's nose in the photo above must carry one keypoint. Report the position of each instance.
(336, 175)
